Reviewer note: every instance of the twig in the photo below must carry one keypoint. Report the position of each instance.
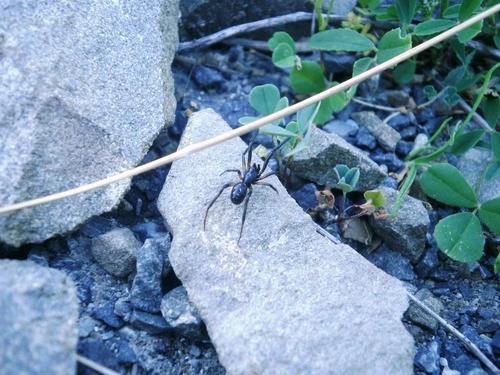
(469, 344)
(247, 27)
(401, 109)
(95, 366)
(261, 45)
(255, 124)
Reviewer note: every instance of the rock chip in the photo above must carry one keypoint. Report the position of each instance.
(181, 314)
(146, 287)
(85, 90)
(317, 163)
(406, 232)
(285, 300)
(419, 316)
(386, 136)
(38, 320)
(116, 251)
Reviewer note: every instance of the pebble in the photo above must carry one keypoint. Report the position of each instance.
(343, 128)
(365, 140)
(181, 314)
(495, 343)
(427, 357)
(151, 323)
(106, 314)
(208, 78)
(115, 251)
(420, 317)
(95, 350)
(393, 163)
(146, 292)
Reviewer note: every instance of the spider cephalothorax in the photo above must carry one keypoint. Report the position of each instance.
(250, 174)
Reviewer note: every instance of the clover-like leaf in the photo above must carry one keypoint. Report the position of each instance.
(460, 236)
(340, 40)
(264, 98)
(376, 196)
(280, 37)
(392, 44)
(464, 142)
(284, 56)
(433, 27)
(309, 79)
(445, 183)
(489, 213)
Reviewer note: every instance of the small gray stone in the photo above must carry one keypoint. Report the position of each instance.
(386, 136)
(146, 288)
(151, 323)
(341, 128)
(427, 357)
(284, 299)
(327, 150)
(116, 251)
(406, 232)
(419, 316)
(181, 315)
(38, 315)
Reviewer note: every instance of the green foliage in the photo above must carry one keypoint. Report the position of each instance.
(445, 183)
(376, 197)
(340, 40)
(347, 177)
(460, 236)
(392, 44)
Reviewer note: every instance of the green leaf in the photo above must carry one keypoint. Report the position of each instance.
(493, 171)
(489, 213)
(264, 98)
(455, 75)
(340, 40)
(433, 27)
(495, 144)
(376, 196)
(445, 183)
(430, 92)
(306, 116)
(281, 37)
(496, 267)
(247, 119)
(392, 44)
(283, 56)
(451, 11)
(347, 178)
(467, 8)
(275, 130)
(406, 10)
(470, 32)
(491, 109)
(460, 236)
(309, 79)
(360, 66)
(464, 142)
(404, 72)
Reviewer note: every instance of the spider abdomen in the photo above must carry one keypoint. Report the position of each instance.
(238, 193)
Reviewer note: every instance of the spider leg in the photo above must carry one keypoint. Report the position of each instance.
(245, 205)
(249, 155)
(213, 201)
(266, 184)
(233, 170)
(264, 166)
(266, 176)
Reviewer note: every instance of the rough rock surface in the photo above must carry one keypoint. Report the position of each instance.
(38, 314)
(285, 300)
(116, 251)
(317, 163)
(406, 232)
(386, 136)
(86, 88)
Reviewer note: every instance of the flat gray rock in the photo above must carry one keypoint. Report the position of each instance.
(85, 89)
(38, 315)
(386, 136)
(406, 232)
(317, 163)
(285, 300)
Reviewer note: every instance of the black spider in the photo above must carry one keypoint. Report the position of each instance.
(249, 175)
